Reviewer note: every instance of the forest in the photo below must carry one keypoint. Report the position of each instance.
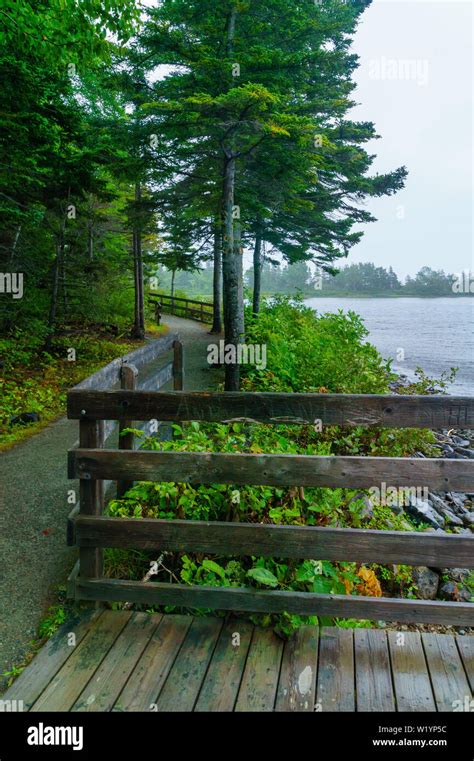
(176, 135)
(160, 147)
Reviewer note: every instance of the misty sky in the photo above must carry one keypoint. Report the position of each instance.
(425, 123)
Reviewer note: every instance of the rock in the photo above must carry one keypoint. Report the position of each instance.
(468, 519)
(450, 590)
(456, 574)
(439, 504)
(422, 512)
(457, 500)
(467, 452)
(460, 442)
(367, 510)
(447, 449)
(452, 519)
(427, 582)
(25, 418)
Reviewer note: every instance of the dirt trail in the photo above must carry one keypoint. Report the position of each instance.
(34, 558)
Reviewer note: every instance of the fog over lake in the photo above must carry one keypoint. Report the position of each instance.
(436, 334)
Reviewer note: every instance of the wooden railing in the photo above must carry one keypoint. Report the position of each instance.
(201, 311)
(127, 373)
(94, 531)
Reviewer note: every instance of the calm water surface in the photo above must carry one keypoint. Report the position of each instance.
(435, 334)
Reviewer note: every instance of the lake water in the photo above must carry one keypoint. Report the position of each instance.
(435, 334)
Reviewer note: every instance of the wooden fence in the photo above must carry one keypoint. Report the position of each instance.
(127, 373)
(94, 531)
(188, 308)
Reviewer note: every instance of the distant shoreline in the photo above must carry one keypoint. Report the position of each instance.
(383, 296)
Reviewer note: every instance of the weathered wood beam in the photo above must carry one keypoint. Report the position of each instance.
(302, 409)
(258, 601)
(355, 545)
(273, 470)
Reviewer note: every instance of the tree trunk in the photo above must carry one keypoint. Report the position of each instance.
(231, 259)
(231, 271)
(90, 240)
(257, 273)
(139, 325)
(217, 279)
(53, 307)
(15, 243)
(173, 274)
(238, 252)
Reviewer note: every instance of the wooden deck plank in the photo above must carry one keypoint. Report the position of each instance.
(105, 686)
(374, 688)
(52, 656)
(410, 673)
(145, 683)
(466, 650)
(448, 678)
(336, 687)
(71, 679)
(297, 683)
(221, 685)
(184, 681)
(126, 661)
(260, 679)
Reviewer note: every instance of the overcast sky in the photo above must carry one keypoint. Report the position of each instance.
(415, 84)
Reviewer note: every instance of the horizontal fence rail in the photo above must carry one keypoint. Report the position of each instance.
(354, 545)
(92, 532)
(272, 470)
(302, 409)
(257, 601)
(201, 311)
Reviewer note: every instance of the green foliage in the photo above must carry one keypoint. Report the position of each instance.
(304, 352)
(290, 326)
(53, 620)
(34, 380)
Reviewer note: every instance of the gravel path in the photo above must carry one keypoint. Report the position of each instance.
(34, 558)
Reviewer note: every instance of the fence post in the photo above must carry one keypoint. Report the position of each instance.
(91, 499)
(128, 382)
(178, 366)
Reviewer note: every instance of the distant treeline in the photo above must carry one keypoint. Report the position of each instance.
(356, 279)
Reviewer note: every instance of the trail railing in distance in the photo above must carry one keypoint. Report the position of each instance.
(94, 531)
(201, 311)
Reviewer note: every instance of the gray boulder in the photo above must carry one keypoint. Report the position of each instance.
(427, 582)
(422, 512)
(454, 592)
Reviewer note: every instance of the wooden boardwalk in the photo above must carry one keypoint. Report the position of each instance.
(124, 661)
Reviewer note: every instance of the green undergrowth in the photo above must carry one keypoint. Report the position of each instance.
(35, 380)
(56, 615)
(305, 352)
